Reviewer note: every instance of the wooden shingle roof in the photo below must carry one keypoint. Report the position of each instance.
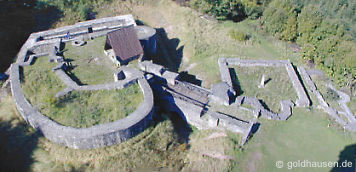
(125, 43)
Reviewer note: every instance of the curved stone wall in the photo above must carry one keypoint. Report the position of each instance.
(80, 138)
(85, 138)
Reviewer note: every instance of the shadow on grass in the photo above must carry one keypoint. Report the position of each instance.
(167, 106)
(181, 127)
(18, 20)
(268, 80)
(73, 77)
(16, 147)
(69, 72)
(347, 160)
(169, 54)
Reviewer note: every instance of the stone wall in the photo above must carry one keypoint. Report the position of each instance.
(197, 115)
(302, 101)
(84, 138)
(351, 123)
(44, 43)
(259, 110)
(98, 25)
(132, 75)
(190, 102)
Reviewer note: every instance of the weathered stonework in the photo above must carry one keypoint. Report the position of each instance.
(48, 43)
(350, 124)
(302, 101)
(190, 101)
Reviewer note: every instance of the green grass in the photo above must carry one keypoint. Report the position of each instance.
(39, 83)
(88, 108)
(352, 108)
(200, 144)
(277, 89)
(91, 65)
(305, 136)
(78, 109)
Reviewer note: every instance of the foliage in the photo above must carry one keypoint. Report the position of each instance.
(331, 95)
(78, 8)
(290, 31)
(238, 35)
(232, 9)
(323, 28)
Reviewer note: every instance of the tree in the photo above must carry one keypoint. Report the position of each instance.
(290, 32)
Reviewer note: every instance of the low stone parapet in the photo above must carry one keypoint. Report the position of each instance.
(85, 138)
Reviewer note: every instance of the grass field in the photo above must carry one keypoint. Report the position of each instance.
(78, 109)
(278, 88)
(305, 136)
(90, 64)
(88, 108)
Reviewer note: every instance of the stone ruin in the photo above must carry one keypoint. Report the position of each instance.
(47, 43)
(349, 122)
(188, 100)
(259, 110)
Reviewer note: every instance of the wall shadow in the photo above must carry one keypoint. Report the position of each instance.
(303, 86)
(16, 147)
(347, 155)
(185, 76)
(169, 54)
(165, 106)
(45, 17)
(235, 82)
(264, 105)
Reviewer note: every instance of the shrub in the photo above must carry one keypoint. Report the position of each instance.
(230, 9)
(238, 35)
(331, 95)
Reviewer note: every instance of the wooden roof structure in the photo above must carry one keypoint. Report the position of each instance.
(124, 42)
